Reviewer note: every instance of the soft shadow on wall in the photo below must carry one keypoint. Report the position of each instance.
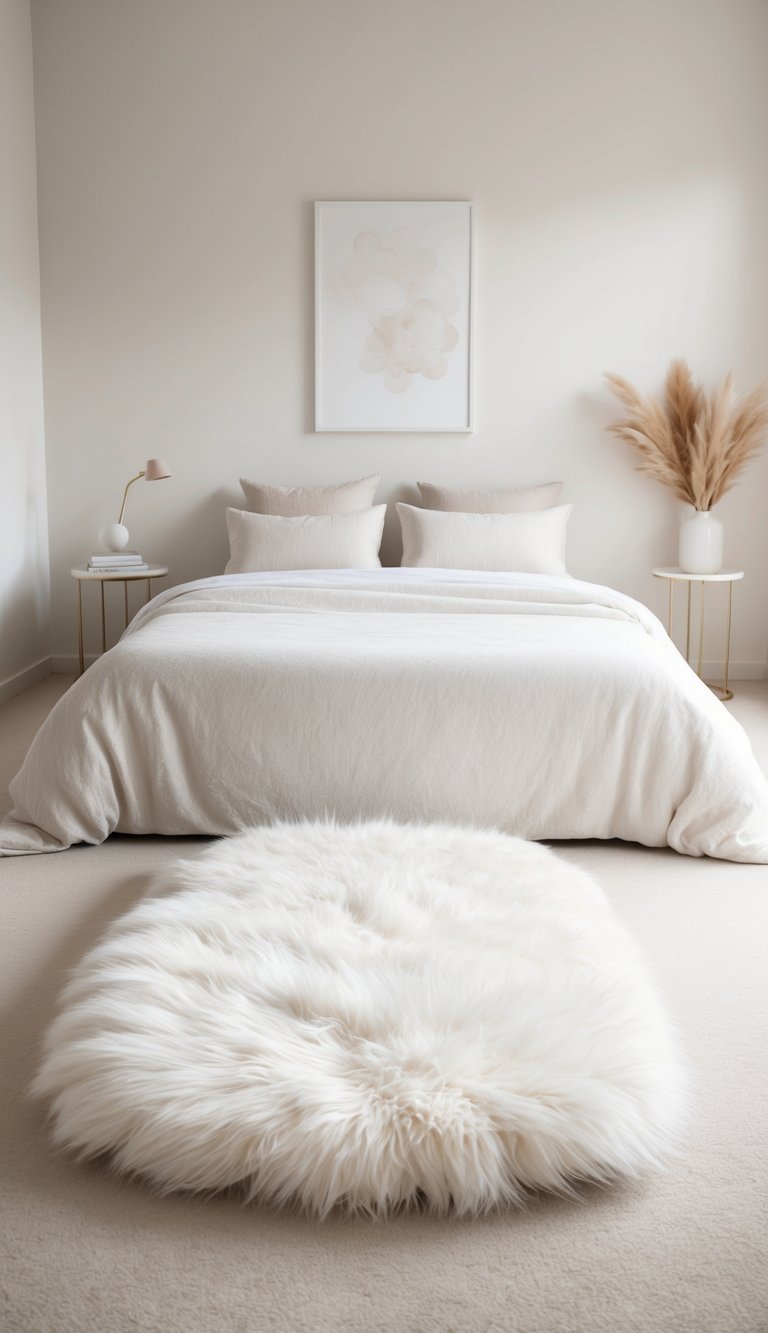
(25, 591)
(196, 534)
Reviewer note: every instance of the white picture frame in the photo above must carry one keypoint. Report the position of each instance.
(394, 316)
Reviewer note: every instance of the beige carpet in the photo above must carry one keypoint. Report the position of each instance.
(686, 1252)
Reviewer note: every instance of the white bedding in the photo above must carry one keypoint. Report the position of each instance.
(544, 706)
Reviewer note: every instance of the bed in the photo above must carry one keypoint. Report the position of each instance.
(541, 705)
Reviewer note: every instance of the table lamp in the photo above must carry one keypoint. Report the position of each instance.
(114, 536)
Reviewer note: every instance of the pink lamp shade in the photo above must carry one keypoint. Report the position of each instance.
(115, 535)
(155, 470)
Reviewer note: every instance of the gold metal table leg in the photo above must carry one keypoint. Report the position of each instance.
(688, 627)
(125, 601)
(701, 626)
(149, 592)
(728, 694)
(80, 653)
(103, 620)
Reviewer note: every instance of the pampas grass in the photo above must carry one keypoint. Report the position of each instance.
(694, 442)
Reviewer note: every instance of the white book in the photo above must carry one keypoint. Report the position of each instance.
(116, 558)
(115, 564)
(118, 569)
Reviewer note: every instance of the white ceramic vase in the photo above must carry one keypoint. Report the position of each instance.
(701, 543)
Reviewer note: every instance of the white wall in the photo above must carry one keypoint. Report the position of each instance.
(615, 155)
(24, 581)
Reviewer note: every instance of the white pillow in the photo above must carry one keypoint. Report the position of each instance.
(293, 501)
(533, 543)
(490, 499)
(314, 541)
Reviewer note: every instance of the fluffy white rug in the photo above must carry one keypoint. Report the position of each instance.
(367, 1016)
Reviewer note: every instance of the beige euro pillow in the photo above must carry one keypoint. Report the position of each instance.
(260, 542)
(489, 499)
(292, 501)
(532, 543)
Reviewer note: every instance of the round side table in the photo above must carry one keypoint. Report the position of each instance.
(730, 576)
(101, 577)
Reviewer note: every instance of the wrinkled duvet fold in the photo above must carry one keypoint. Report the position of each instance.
(546, 707)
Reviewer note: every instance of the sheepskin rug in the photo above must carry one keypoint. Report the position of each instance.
(369, 1016)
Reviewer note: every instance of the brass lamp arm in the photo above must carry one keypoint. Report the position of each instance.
(125, 494)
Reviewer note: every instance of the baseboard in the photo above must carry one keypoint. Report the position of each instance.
(68, 664)
(23, 679)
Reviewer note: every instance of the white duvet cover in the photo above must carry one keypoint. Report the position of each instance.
(545, 707)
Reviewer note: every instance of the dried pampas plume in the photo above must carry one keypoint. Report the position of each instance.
(694, 442)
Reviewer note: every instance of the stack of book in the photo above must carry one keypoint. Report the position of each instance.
(117, 562)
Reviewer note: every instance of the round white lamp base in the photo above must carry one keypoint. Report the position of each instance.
(114, 536)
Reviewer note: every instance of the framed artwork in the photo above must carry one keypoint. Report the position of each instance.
(393, 316)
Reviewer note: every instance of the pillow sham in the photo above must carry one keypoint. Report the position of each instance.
(489, 499)
(260, 542)
(292, 501)
(532, 543)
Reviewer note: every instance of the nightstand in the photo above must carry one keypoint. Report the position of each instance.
(729, 576)
(119, 576)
